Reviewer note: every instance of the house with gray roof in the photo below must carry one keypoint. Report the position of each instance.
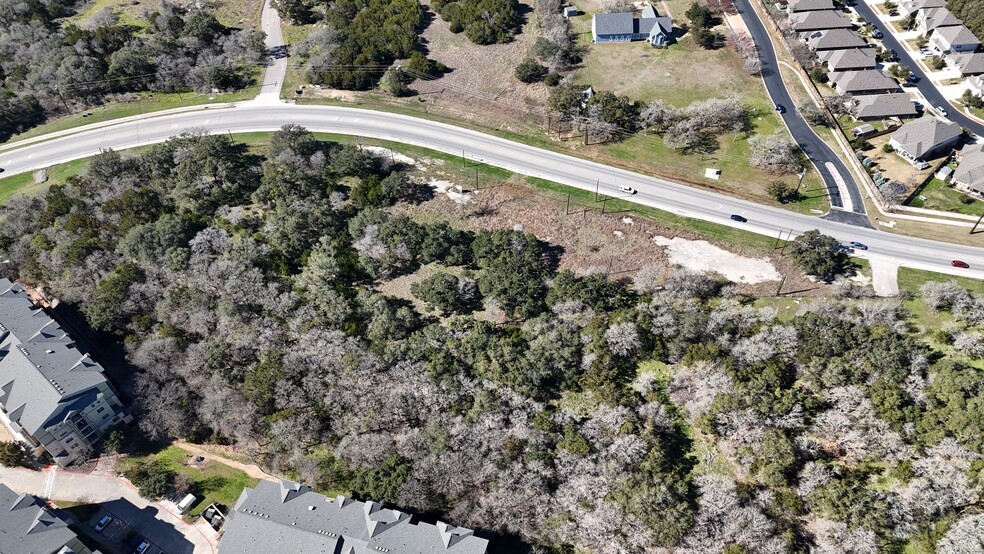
(969, 63)
(909, 7)
(53, 397)
(925, 138)
(286, 517)
(954, 39)
(834, 39)
(27, 526)
(818, 21)
(873, 107)
(976, 85)
(867, 81)
(970, 171)
(930, 19)
(795, 6)
(626, 27)
(850, 59)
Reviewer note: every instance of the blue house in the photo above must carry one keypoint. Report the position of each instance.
(626, 27)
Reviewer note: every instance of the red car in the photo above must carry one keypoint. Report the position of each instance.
(958, 263)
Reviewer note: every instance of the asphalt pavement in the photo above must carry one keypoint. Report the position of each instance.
(924, 84)
(842, 188)
(513, 156)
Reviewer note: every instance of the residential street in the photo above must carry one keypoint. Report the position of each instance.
(273, 75)
(924, 84)
(150, 519)
(844, 192)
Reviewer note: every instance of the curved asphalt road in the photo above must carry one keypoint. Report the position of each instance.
(835, 174)
(924, 84)
(520, 158)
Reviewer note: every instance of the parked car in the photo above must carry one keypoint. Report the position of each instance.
(925, 51)
(961, 265)
(941, 110)
(780, 108)
(859, 245)
(142, 547)
(876, 33)
(738, 218)
(102, 523)
(626, 189)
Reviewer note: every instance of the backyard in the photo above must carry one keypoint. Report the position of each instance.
(212, 482)
(938, 195)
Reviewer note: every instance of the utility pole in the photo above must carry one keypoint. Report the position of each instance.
(597, 186)
(974, 229)
(58, 90)
(779, 238)
(587, 124)
(462, 158)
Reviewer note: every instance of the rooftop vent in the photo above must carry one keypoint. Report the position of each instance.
(311, 508)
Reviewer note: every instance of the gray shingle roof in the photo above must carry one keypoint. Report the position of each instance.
(925, 134)
(934, 18)
(970, 171)
(41, 371)
(851, 58)
(818, 20)
(884, 105)
(834, 38)
(286, 518)
(969, 63)
(957, 34)
(810, 5)
(860, 82)
(27, 527)
(915, 5)
(614, 23)
(976, 82)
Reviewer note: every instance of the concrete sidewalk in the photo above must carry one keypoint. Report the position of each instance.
(94, 489)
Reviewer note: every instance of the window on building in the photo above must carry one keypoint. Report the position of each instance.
(100, 410)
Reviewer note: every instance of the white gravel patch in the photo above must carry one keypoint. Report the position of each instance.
(703, 257)
(452, 191)
(390, 156)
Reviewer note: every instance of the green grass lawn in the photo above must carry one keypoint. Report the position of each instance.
(942, 196)
(912, 279)
(24, 183)
(216, 482)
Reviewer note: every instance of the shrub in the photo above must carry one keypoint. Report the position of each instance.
(14, 454)
(529, 71)
(152, 479)
(888, 148)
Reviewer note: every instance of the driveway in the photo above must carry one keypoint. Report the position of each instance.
(276, 70)
(120, 499)
(908, 59)
(843, 191)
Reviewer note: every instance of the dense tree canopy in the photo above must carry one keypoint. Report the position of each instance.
(247, 286)
(51, 67)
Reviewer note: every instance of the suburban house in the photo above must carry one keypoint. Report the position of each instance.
(849, 59)
(625, 27)
(818, 21)
(867, 81)
(970, 171)
(834, 39)
(879, 106)
(909, 7)
(930, 19)
(796, 6)
(954, 39)
(925, 138)
(969, 63)
(976, 85)
(27, 525)
(53, 397)
(289, 518)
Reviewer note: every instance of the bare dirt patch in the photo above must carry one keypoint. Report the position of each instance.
(617, 244)
(704, 257)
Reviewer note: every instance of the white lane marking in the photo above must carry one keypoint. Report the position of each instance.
(841, 187)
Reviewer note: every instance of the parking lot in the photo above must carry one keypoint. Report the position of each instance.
(129, 526)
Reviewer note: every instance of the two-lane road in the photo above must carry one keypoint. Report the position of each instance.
(520, 158)
(843, 190)
(924, 84)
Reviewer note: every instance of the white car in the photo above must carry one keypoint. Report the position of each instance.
(941, 110)
(625, 189)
